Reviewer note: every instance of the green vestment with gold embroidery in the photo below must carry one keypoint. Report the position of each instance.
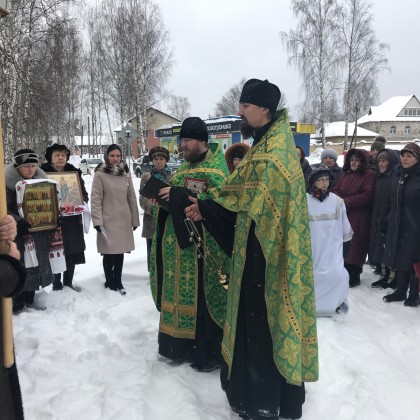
(268, 188)
(177, 301)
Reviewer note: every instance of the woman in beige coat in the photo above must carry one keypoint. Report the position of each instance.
(114, 214)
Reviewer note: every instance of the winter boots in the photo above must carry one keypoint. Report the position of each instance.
(413, 296)
(354, 273)
(403, 278)
(67, 279)
(388, 280)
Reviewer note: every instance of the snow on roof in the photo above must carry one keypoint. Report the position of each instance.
(336, 129)
(388, 111)
(99, 140)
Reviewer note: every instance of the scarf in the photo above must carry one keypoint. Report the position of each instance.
(317, 193)
(118, 170)
(161, 174)
(56, 251)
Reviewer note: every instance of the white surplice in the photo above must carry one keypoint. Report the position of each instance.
(330, 227)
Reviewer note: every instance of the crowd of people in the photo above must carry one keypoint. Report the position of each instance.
(244, 248)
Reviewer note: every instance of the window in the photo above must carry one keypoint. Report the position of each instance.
(411, 112)
(393, 130)
(407, 129)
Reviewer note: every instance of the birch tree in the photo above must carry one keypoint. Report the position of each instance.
(179, 107)
(313, 51)
(364, 56)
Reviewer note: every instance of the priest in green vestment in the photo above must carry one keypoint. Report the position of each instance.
(261, 219)
(184, 280)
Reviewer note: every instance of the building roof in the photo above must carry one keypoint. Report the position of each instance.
(336, 129)
(389, 110)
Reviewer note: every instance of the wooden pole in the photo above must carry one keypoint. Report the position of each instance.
(8, 353)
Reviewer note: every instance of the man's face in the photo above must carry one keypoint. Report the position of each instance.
(253, 115)
(328, 161)
(58, 159)
(192, 149)
(299, 152)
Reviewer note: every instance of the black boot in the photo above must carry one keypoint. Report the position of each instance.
(400, 294)
(57, 282)
(413, 296)
(68, 278)
(354, 274)
(383, 282)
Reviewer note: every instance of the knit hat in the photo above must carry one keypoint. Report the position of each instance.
(331, 153)
(377, 145)
(413, 148)
(194, 128)
(382, 139)
(261, 93)
(159, 151)
(23, 156)
(56, 148)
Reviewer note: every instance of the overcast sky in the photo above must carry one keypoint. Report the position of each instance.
(217, 42)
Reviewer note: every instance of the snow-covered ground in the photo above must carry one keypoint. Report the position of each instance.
(93, 355)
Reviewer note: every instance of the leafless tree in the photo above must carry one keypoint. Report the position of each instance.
(364, 56)
(38, 55)
(229, 103)
(313, 51)
(179, 107)
(131, 46)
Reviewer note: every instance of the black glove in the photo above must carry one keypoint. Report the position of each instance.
(23, 227)
(98, 228)
(134, 228)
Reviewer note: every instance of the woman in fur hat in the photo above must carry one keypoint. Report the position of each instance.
(234, 154)
(24, 167)
(57, 157)
(114, 214)
(159, 157)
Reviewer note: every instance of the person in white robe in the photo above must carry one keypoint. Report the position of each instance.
(329, 227)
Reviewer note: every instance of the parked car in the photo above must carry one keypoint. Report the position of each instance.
(143, 164)
(87, 166)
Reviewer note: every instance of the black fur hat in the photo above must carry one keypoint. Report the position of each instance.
(261, 93)
(194, 128)
(56, 147)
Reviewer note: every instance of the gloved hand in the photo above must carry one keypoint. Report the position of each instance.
(98, 228)
(134, 228)
(23, 227)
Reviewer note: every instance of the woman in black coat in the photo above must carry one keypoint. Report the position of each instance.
(402, 226)
(386, 161)
(57, 157)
